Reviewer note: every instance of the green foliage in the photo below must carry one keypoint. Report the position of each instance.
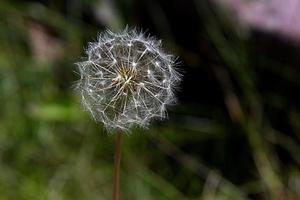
(241, 143)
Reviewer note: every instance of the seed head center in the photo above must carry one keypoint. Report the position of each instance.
(127, 78)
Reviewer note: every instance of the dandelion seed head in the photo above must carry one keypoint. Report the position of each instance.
(127, 79)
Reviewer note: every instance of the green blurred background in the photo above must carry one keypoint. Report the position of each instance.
(234, 134)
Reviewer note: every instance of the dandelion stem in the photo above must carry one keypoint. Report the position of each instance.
(116, 175)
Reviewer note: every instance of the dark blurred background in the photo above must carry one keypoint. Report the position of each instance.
(234, 134)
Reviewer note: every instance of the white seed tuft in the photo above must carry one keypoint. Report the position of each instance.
(127, 79)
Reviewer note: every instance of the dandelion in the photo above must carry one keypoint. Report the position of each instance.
(127, 79)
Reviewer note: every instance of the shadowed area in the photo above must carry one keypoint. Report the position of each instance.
(234, 132)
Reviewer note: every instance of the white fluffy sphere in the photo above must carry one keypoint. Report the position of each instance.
(127, 79)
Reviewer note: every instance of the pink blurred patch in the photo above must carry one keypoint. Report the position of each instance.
(281, 16)
(46, 47)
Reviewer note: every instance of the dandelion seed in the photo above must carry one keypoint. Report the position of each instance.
(127, 79)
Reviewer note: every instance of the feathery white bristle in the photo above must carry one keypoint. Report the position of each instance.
(127, 79)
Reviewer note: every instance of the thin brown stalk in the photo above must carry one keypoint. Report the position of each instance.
(117, 162)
